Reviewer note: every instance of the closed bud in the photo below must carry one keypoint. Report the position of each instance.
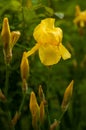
(24, 85)
(35, 111)
(9, 39)
(54, 125)
(41, 95)
(40, 92)
(42, 112)
(15, 118)
(5, 34)
(2, 96)
(24, 67)
(7, 55)
(67, 96)
(14, 38)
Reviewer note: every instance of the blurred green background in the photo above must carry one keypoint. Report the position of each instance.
(24, 15)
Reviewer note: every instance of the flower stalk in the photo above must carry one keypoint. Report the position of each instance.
(7, 80)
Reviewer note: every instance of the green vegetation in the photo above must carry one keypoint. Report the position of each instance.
(24, 16)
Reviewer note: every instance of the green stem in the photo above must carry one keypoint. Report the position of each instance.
(9, 115)
(48, 116)
(6, 90)
(61, 116)
(6, 80)
(22, 103)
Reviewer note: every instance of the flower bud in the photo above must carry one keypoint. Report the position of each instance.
(2, 96)
(15, 118)
(35, 111)
(14, 38)
(24, 67)
(24, 85)
(7, 55)
(54, 125)
(5, 34)
(67, 96)
(40, 92)
(42, 112)
(9, 39)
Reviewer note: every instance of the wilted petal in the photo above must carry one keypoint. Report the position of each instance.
(49, 54)
(64, 52)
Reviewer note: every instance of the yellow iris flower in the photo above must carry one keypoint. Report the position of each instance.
(80, 17)
(49, 43)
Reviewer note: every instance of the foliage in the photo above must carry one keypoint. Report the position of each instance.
(25, 15)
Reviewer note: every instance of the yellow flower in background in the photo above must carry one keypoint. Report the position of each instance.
(49, 43)
(9, 39)
(80, 18)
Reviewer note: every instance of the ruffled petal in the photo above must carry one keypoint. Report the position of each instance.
(64, 52)
(49, 54)
(46, 33)
(48, 22)
(40, 34)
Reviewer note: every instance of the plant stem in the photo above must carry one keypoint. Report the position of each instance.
(6, 90)
(22, 103)
(49, 121)
(6, 80)
(61, 116)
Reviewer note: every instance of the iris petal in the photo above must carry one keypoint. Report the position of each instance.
(49, 54)
(64, 52)
(45, 32)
